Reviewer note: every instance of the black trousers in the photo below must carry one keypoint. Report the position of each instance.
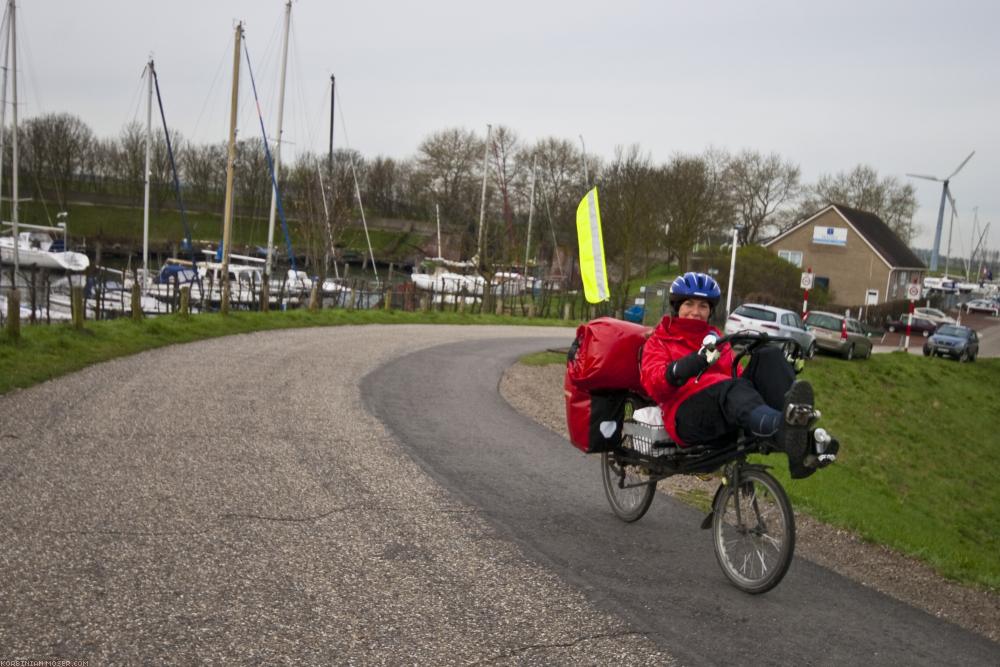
(714, 416)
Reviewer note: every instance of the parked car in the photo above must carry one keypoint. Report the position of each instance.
(838, 334)
(934, 315)
(958, 342)
(982, 306)
(774, 322)
(920, 325)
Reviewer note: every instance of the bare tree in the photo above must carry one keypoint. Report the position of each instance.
(629, 214)
(53, 150)
(505, 145)
(450, 164)
(759, 186)
(693, 203)
(861, 188)
(204, 170)
(559, 188)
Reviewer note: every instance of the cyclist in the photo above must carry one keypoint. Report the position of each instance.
(703, 404)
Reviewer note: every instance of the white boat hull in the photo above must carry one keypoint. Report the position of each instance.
(42, 259)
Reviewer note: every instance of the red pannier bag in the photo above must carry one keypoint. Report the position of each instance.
(601, 370)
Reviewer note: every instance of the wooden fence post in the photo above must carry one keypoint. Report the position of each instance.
(185, 307)
(76, 306)
(13, 314)
(314, 299)
(136, 303)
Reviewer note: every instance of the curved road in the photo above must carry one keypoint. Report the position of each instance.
(660, 573)
(234, 500)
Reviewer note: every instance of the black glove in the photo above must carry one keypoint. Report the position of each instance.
(686, 368)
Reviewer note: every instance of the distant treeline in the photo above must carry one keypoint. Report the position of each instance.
(648, 209)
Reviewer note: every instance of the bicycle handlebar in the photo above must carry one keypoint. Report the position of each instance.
(753, 339)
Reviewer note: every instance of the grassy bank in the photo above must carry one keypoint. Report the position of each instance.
(917, 467)
(123, 224)
(917, 470)
(44, 352)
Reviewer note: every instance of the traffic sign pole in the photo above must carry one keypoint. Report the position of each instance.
(806, 285)
(912, 293)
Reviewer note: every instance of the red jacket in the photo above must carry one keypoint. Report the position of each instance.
(672, 339)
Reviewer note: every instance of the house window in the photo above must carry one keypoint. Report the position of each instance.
(792, 256)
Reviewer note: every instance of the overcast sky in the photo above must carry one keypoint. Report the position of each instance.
(904, 86)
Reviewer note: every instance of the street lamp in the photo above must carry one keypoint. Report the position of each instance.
(732, 270)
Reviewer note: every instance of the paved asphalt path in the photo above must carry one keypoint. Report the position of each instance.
(231, 501)
(660, 573)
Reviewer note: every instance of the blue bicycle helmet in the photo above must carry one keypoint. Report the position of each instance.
(694, 285)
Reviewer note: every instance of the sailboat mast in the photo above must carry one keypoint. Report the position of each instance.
(482, 201)
(437, 213)
(14, 157)
(277, 145)
(333, 96)
(227, 224)
(3, 110)
(331, 253)
(531, 211)
(146, 173)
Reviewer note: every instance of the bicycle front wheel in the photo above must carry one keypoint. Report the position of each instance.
(754, 531)
(625, 486)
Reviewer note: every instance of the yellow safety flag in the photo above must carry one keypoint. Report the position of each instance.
(592, 267)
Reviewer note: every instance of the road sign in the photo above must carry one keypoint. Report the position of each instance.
(913, 291)
(807, 280)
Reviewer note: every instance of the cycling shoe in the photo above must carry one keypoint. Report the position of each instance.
(823, 449)
(794, 439)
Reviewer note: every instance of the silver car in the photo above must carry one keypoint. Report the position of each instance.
(774, 322)
(838, 334)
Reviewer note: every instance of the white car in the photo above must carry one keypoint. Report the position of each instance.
(774, 322)
(934, 315)
(982, 306)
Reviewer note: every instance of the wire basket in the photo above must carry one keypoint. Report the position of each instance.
(649, 440)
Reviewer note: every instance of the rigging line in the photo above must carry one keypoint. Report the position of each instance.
(309, 122)
(24, 47)
(357, 188)
(270, 162)
(173, 167)
(136, 99)
(211, 91)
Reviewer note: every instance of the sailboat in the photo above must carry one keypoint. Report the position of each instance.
(36, 247)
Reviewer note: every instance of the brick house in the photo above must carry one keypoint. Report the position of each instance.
(852, 253)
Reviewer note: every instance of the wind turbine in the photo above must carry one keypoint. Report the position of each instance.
(944, 194)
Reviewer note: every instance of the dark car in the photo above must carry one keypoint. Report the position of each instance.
(954, 341)
(920, 325)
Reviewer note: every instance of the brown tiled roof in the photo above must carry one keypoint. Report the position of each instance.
(885, 241)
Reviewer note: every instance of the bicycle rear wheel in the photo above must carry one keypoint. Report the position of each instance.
(628, 496)
(754, 531)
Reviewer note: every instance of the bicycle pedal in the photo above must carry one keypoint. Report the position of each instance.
(799, 414)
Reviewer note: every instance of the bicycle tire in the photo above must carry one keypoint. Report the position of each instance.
(628, 504)
(754, 558)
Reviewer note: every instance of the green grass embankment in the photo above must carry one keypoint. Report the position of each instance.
(44, 352)
(917, 468)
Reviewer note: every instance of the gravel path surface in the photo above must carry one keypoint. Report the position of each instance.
(537, 391)
(231, 501)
